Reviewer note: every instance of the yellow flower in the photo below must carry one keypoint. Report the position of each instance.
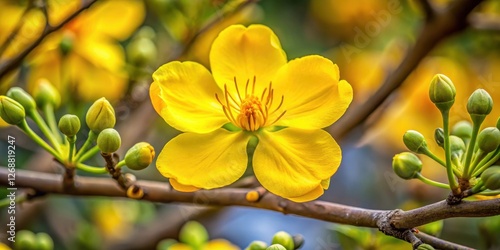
(255, 90)
(84, 55)
(217, 244)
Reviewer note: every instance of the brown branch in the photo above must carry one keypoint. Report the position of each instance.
(393, 222)
(439, 243)
(6, 67)
(443, 25)
(428, 9)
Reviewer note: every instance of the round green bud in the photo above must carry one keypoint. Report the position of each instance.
(406, 165)
(480, 103)
(457, 145)
(488, 139)
(141, 52)
(442, 92)
(491, 177)
(100, 116)
(439, 137)
(165, 244)
(194, 234)
(66, 44)
(415, 141)
(139, 156)
(109, 140)
(22, 97)
(43, 241)
(45, 93)
(285, 239)
(257, 245)
(25, 240)
(276, 247)
(11, 111)
(146, 32)
(69, 125)
(425, 247)
(462, 129)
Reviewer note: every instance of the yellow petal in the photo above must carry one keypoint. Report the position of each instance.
(184, 96)
(207, 161)
(219, 244)
(100, 52)
(183, 188)
(58, 10)
(246, 53)
(313, 95)
(293, 162)
(117, 19)
(312, 195)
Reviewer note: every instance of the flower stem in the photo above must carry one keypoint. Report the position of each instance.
(449, 167)
(91, 152)
(72, 141)
(25, 127)
(48, 109)
(91, 169)
(90, 139)
(37, 118)
(431, 182)
(120, 164)
(470, 150)
(483, 165)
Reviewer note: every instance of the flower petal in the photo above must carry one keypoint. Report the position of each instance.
(312, 195)
(205, 161)
(246, 53)
(219, 244)
(184, 96)
(313, 95)
(294, 162)
(183, 188)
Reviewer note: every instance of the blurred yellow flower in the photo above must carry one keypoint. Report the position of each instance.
(217, 244)
(83, 59)
(252, 93)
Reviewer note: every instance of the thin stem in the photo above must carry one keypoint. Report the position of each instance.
(72, 141)
(492, 158)
(490, 192)
(449, 167)
(478, 187)
(18, 199)
(120, 164)
(48, 110)
(90, 139)
(470, 150)
(91, 152)
(431, 182)
(431, 155)
(91, 169)
(37, 118)
(25, 127)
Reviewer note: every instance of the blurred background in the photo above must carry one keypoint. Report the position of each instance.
(112, 48)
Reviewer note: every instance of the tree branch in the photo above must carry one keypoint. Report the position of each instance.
(6, 67)
(393, 222)
(435, 29)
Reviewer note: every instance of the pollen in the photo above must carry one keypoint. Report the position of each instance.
(251, 111)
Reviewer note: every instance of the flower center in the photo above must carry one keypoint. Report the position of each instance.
(250, 112)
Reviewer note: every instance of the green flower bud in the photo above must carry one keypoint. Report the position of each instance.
(406, 165)
(146, 32)
(44, 242)
(22, 97)
(165, 244)
(457, 145)
(69, 125)
(45, 93)
(442, 92)
(439, 137)
(194, 234)
(141, 52)
(415, 141)
(139, 156)
(257, 245)
(425, 247)
(11, 111)
(480, 103)
(25, 240)
(285, 239)
(491, 177)
(462, 129)
(276, 247)
(109, 140)
(488, 139)
(66, 44)
(100, 116)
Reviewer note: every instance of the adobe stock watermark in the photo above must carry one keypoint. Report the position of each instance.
(364, 35)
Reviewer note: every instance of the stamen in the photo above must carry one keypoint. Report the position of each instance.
(237, 89)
